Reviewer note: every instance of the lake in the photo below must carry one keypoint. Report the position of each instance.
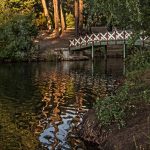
(49, 100)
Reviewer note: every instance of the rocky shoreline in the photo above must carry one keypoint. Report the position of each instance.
(134, 136)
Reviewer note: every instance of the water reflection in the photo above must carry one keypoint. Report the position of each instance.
(55, 96)
(62, 110)
(70, 91)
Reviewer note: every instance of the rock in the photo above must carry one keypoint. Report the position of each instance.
(134, 136)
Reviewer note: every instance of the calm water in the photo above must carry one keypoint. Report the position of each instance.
(50, 99)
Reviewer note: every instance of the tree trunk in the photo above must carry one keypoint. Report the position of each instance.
(52, 20)
(63, 25)
(80, 15)
(46, 14)
(56, 17)
(77, 17)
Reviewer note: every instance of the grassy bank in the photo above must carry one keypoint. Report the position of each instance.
(130, 97)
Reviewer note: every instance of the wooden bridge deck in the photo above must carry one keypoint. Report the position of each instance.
(105, 43)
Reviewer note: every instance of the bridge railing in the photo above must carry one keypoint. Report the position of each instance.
(100, 37)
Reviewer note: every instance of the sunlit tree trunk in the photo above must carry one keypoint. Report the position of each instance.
(76, 5)
(46, 14)
(63, 25)
(56, 17)
(80, 15)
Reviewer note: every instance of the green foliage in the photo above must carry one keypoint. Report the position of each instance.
(135, 13)
(145, 16)
(137, 63)
(139, 59)
(70, 20)
(111, 109)
(16, 37)
(41, 21)
(24, 6)
(115, 109)
(18, 29)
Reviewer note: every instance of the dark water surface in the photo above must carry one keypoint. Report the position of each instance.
(50, 99)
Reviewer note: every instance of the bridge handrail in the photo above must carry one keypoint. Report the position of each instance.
(100, 37)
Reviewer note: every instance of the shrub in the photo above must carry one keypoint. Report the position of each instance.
(139, 59)
(115, 108)
(111, 109)
(16, 37)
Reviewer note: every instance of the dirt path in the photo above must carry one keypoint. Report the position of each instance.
(47, 41)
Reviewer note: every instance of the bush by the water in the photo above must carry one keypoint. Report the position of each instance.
(16, 38)
(132, 95)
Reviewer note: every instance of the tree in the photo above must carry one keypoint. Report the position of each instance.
(18, 29)
(76, 5)
(17, 34)
(56, 17)
(63, 24)
(80, 15)
(134, 13)
(46, 14)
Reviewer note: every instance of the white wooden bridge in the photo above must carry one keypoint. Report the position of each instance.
(108, 38)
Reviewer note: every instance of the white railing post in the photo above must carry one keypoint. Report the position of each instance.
(107, 37)
(80, 41)
(92, 47)
(86, 39)
(115, 38)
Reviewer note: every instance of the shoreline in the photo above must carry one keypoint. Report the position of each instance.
(132, 136)
(135, 133)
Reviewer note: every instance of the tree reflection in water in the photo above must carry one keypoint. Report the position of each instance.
(65, 100)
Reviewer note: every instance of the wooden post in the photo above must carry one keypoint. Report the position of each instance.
(105, 55)
(105, 66)
(92, 68)
(124, 51)
(105, 58)
(124, 68)
(92, 52)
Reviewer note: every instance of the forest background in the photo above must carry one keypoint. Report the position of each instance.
(21, 20)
